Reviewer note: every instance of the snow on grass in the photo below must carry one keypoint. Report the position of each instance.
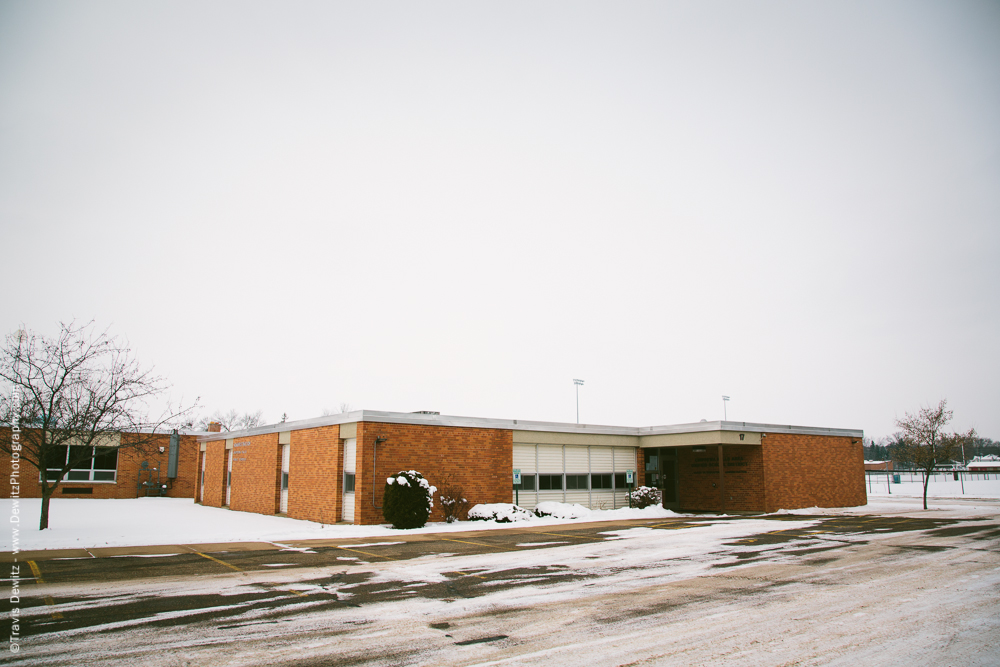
(94, 523)
(937, 488)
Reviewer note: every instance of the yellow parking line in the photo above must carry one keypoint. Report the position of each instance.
(38, 580)
(36, 572)
(579, 537)
(366, 553)
(478, 544)
(220, 562)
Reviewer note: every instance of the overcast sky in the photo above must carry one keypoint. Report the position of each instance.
(463, 206)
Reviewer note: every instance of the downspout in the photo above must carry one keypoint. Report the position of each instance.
(378, 439)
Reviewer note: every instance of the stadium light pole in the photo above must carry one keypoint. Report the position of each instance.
(725, 400)
(577, 383)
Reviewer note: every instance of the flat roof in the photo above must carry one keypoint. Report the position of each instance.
(376, 416)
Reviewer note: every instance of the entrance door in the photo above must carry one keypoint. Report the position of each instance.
(661, 473)
(668, 478)
(350, 469)
(229, 477)
(201, 493)
(284, 480)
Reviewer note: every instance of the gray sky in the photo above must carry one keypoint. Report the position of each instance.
(463, 206)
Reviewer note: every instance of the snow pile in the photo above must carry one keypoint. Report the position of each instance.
(500, 513)
(561, 510)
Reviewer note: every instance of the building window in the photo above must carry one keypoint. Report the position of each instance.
(98, 464)
(600, 480)
(550, 483)
(620, 481)
(576, 482)
(349, 482)
(528, 482)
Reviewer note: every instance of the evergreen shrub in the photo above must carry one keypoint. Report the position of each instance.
(408, 500)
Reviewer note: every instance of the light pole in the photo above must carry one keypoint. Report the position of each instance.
(577, 383)
(725, 399)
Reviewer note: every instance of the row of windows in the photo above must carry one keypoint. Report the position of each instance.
(98, 465)
(597, 481)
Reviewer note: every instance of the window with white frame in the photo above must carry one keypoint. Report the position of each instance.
(93, 464)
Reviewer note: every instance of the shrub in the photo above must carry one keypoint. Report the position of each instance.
(561, 510)
(454, 504)
(645, 496)
(408, 500)
(500, 512)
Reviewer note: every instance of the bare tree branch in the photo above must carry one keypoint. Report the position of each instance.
(68, 395)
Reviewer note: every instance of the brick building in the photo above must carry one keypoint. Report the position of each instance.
(333, 469)
(117, 470)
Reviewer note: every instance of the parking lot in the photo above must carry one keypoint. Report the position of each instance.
(489, 593)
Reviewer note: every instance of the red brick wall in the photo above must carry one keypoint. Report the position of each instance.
(256, 474)
(315, 469)
(215, 473)
(813, 471)
(477, 460)
(700, 487)
(129, 471)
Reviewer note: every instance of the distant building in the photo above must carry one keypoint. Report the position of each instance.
(878, 465)
(987, 463)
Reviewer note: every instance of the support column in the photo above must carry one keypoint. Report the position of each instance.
(722, 481)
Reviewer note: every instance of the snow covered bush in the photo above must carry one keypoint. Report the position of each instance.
(561, 510)
(408, 499)
(645, 496)
(454, 504)
(500, 512)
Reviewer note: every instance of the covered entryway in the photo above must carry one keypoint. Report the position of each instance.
(660, 465)
(711, 470)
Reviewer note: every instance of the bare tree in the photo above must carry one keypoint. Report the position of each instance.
(75, 397)
(343, 409)
(232, 420)
(924, 441)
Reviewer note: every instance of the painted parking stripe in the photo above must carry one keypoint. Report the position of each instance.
(220, 562)
(38, 580)
(579, 537)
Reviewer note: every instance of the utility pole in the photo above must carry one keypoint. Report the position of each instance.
(578, 383)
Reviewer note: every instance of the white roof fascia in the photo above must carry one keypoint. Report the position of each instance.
(522, 425)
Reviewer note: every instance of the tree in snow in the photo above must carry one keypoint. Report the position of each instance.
(408, 499)
(925, 442)
(72, 399)
(454, 504)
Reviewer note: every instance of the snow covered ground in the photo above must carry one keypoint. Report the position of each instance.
(719, 592)
(90, 523)
(939, 487)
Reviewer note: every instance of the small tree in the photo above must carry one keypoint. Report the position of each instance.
(924, 441)
(408, 500)
(66, 398)
(454, 504)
